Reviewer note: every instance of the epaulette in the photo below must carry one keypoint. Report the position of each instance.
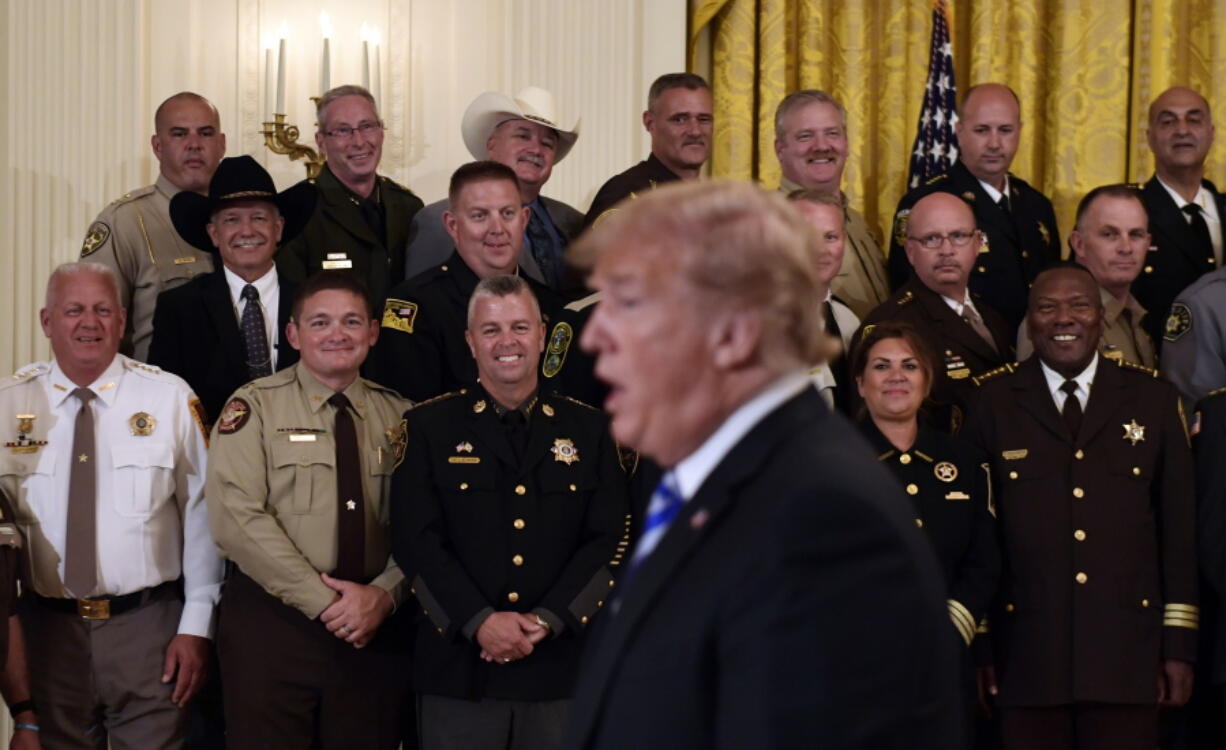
(583, 303)
(906, 299)
(25, 373)
(441, 397)
(1139, 368)
(1007, 369)
(380, 387)
(577, 401)
(137, 193)
(936, 178)
(1215, 392)
(275, 380)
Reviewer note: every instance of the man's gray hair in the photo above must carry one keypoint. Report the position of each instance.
(333, 94)
(798, 99)
(501, 286)
(78, 268)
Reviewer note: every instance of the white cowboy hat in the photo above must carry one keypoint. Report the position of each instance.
(491, 109)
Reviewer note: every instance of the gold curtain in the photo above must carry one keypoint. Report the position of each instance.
(1085, 71)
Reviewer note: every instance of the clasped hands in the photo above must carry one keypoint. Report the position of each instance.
(357, 612)
(505, 637)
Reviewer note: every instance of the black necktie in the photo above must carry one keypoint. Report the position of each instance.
(351, 508)
(1200, 230)
(81, 543)
(542, 249)
(1072, 407)
(842, 384)
(517, 432)
(1003, 202)
(255, 335)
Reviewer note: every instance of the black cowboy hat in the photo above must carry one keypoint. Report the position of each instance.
(239, 178)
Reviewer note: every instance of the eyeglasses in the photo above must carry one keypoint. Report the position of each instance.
(344, 132)
(957, 238)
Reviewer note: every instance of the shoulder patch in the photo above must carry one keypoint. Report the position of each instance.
(95, 238)
(1178, 322)
(399, 314)
(234, 416)
(559, 345)
(1129, 365)
(901, 221)
(1007, 369)
(398, 437)
(198, 416)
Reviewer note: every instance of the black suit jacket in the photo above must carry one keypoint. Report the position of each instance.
(1019, 243)
(196, 336)
(792, 603)
(1211, 531)
(1173, 262)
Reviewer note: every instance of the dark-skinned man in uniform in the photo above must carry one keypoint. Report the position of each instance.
(1018, 222)
(969, 338)
(421, 351)
(361, 220)
(1097, 618)
(511, 509)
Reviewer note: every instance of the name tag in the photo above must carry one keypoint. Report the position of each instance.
(182, 261)
(959, 374)
(464, 460)
(302, 438)
(1014, 455)
(334, 264)
(957, 496)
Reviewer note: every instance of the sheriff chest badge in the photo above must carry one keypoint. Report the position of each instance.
(23, 443)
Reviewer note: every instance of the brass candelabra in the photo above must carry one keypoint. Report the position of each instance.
(282, 138)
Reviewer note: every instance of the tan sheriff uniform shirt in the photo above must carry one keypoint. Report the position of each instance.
(135, 237)
(1123, 337)
(272, 483)
(861, 283)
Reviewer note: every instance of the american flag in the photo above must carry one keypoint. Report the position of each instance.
(936, 146)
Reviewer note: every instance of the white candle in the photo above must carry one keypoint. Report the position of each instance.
(281, 79)
(377, 91)
(268, 83)
(324, 70)
(366, 64)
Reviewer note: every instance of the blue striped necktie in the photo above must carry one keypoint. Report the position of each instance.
(666, 503)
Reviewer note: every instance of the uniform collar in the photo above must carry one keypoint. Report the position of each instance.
(104, 387)
(786, 186)
(166, 187)
(1113, 307)
(992, 192)
(318, 394)
(1202, 199)
(1084, 379)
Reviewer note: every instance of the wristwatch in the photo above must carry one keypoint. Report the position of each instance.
(541, 621)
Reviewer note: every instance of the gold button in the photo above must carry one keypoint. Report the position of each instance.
(912, 489)
(463, 485)
(1079, 454)
(573, 488)
(611, 583)
(518, 523)
(904, 459)
(1081, 578)
(512, 597)
(1136, 471)
(413, 591)
(517, 560)
(425, 611)
(520, 489)
(1144, 602)
(600, 604)
(1008, 607)
(1149, 269)
(1078, 493)
(1079, 535)
(919, 522)
(583, 620)
(982, 269)
(1025, 254)
(444, 268)
(440, 631)
(1013, 475)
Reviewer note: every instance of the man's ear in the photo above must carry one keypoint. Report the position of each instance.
(735, 339)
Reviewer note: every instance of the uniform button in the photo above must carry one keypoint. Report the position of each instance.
(573, 488)
(1212, 261)
(444, 268)
(1013, 475)
(611, 583)
(1078, 493)
(1136, 471)
(1079, 535)
(1149, 269)
(518, 523)
(1081, 578)
(463, 485)
(600, 604)
(520, 489)
(413, 591)
(512, 597)
(1008, 607)
(517, 560)
(912, 489)
(1025, 254)
(904, 459)
(583, 620)
(1144, 602)
(425, 612)
(1079, 454)
(440, 631)
(919, 522)
(982, 269)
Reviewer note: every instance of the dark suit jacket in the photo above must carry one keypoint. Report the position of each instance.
(337, 229)
(1088, 617)
(1211, 530)
(465, 510)
(196, 336)
(961, 353)
(1020, 242)
(1172, 263)
(792, 603)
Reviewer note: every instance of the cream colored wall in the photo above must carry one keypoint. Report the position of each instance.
(81, 79)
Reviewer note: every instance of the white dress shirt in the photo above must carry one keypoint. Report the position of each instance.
(995, 194)
(960, 307)
(270, 299)
(1084, 381)
(1208, 209)
(152, 522)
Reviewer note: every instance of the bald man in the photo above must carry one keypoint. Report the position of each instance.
(1185, 211)
(943, 245)
(1018, 222)
(134, 236)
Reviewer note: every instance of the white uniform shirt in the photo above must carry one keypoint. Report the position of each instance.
(152, 520)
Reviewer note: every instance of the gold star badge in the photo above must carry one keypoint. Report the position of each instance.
(945, 471)
(82, 458)
(1134, 432)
